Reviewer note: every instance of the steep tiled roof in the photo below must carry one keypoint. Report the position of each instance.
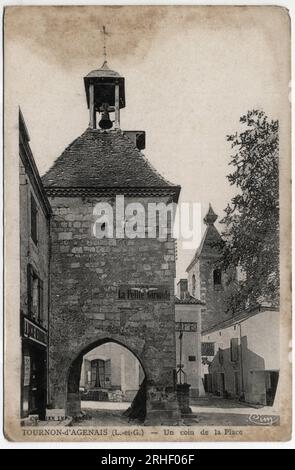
(99, 159)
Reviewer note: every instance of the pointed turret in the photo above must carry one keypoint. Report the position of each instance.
(208, 246)
(210, 218)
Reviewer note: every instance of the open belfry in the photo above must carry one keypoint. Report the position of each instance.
(112, 289)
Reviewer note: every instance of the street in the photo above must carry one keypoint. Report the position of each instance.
(213, 411)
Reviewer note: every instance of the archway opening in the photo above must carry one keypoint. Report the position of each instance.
(107, 377)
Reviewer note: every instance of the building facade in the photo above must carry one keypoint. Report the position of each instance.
(238, 362)
(112, 289)
(188, 314)
(111, 373)
(34, 216)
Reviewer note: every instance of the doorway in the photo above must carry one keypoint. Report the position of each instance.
(237, 383)
(221, 383)
(34, 380)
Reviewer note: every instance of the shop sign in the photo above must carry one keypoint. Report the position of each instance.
(34, 332)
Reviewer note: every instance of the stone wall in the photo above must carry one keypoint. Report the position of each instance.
(214, 297)
(86, 312)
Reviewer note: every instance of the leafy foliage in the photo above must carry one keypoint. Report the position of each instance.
(251, 222)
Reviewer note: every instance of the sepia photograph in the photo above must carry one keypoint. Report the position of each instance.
(147, 219)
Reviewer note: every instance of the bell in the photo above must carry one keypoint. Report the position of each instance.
(105, 122)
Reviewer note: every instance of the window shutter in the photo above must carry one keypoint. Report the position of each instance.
(234, 349)
(29, 289)
(40, 301)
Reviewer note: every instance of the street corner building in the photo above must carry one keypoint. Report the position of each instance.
(238, 350)
(101, 289)
(34, 226)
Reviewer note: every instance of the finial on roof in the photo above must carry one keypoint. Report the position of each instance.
(210, 217)
(104, 66)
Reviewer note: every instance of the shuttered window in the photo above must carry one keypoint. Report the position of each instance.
(234, 349)
(40, 301)
(29, 286)
(35, 295)
(217, 278)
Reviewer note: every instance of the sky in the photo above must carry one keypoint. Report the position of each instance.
(190, 73)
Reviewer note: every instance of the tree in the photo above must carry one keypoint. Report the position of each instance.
(251, 222)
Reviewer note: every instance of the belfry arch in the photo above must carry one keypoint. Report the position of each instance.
(93, 280)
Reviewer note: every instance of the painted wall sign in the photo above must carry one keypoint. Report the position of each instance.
(34, 332)
(144, 292)
(186, 326)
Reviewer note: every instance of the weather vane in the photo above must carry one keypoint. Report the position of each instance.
(105, 34)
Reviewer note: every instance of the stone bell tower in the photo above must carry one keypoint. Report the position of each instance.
(206, 280)
(109, 289)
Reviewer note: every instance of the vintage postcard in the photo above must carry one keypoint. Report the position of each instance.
(147, 196)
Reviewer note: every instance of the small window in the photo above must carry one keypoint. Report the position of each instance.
(217, 278)
(34, 220)
(191, 358)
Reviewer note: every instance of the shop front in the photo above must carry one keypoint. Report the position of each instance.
(34, 369)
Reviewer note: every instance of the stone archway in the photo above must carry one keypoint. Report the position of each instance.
(73, 399)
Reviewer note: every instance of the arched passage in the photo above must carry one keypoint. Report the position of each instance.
(105, 370)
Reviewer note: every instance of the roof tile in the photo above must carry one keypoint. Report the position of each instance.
(99, 159)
